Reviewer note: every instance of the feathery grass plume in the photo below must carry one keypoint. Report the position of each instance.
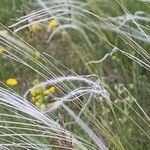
(97, 25)
(91, 87)
(26, 53)
(24, 126)
(120, 124)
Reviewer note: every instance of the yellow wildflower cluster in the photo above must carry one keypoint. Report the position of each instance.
(52, 24)
(40, 96)
(11, 82)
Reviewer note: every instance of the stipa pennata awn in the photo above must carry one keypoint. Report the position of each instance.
(29, 126)
(87, 86)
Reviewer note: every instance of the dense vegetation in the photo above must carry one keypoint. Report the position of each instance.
(75, 74)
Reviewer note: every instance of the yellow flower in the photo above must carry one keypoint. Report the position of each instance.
(33, 92)
(11, 82)
(53, 23)
(35, 27)
(33, 98)
(42, 106)
(52, 89)
(37, 104)
(40, 98)
(4, 32)
(1, 50)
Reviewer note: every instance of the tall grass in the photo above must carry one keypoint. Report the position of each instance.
(104, 109)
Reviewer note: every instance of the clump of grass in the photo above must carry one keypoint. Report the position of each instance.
(98, 113)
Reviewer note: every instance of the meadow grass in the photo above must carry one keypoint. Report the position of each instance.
(95, 57)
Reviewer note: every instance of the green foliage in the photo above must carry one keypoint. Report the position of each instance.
(109, 39)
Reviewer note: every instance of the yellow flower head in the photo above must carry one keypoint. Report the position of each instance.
(42, 106)
(37, 104)
(1, 50)
(33, 99)
(53, 23)
(4, 32)
(35, 27)
(11, 82)
(52, 89)
(33, 92)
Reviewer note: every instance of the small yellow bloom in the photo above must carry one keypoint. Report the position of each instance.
(53, 23)
(52, 89)
(33, 92)
(40, 98)
(35, 27)
(4, 32)
(37, 104)
(1, 50)
(33, 98)
(11, 82)
(42, 106)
